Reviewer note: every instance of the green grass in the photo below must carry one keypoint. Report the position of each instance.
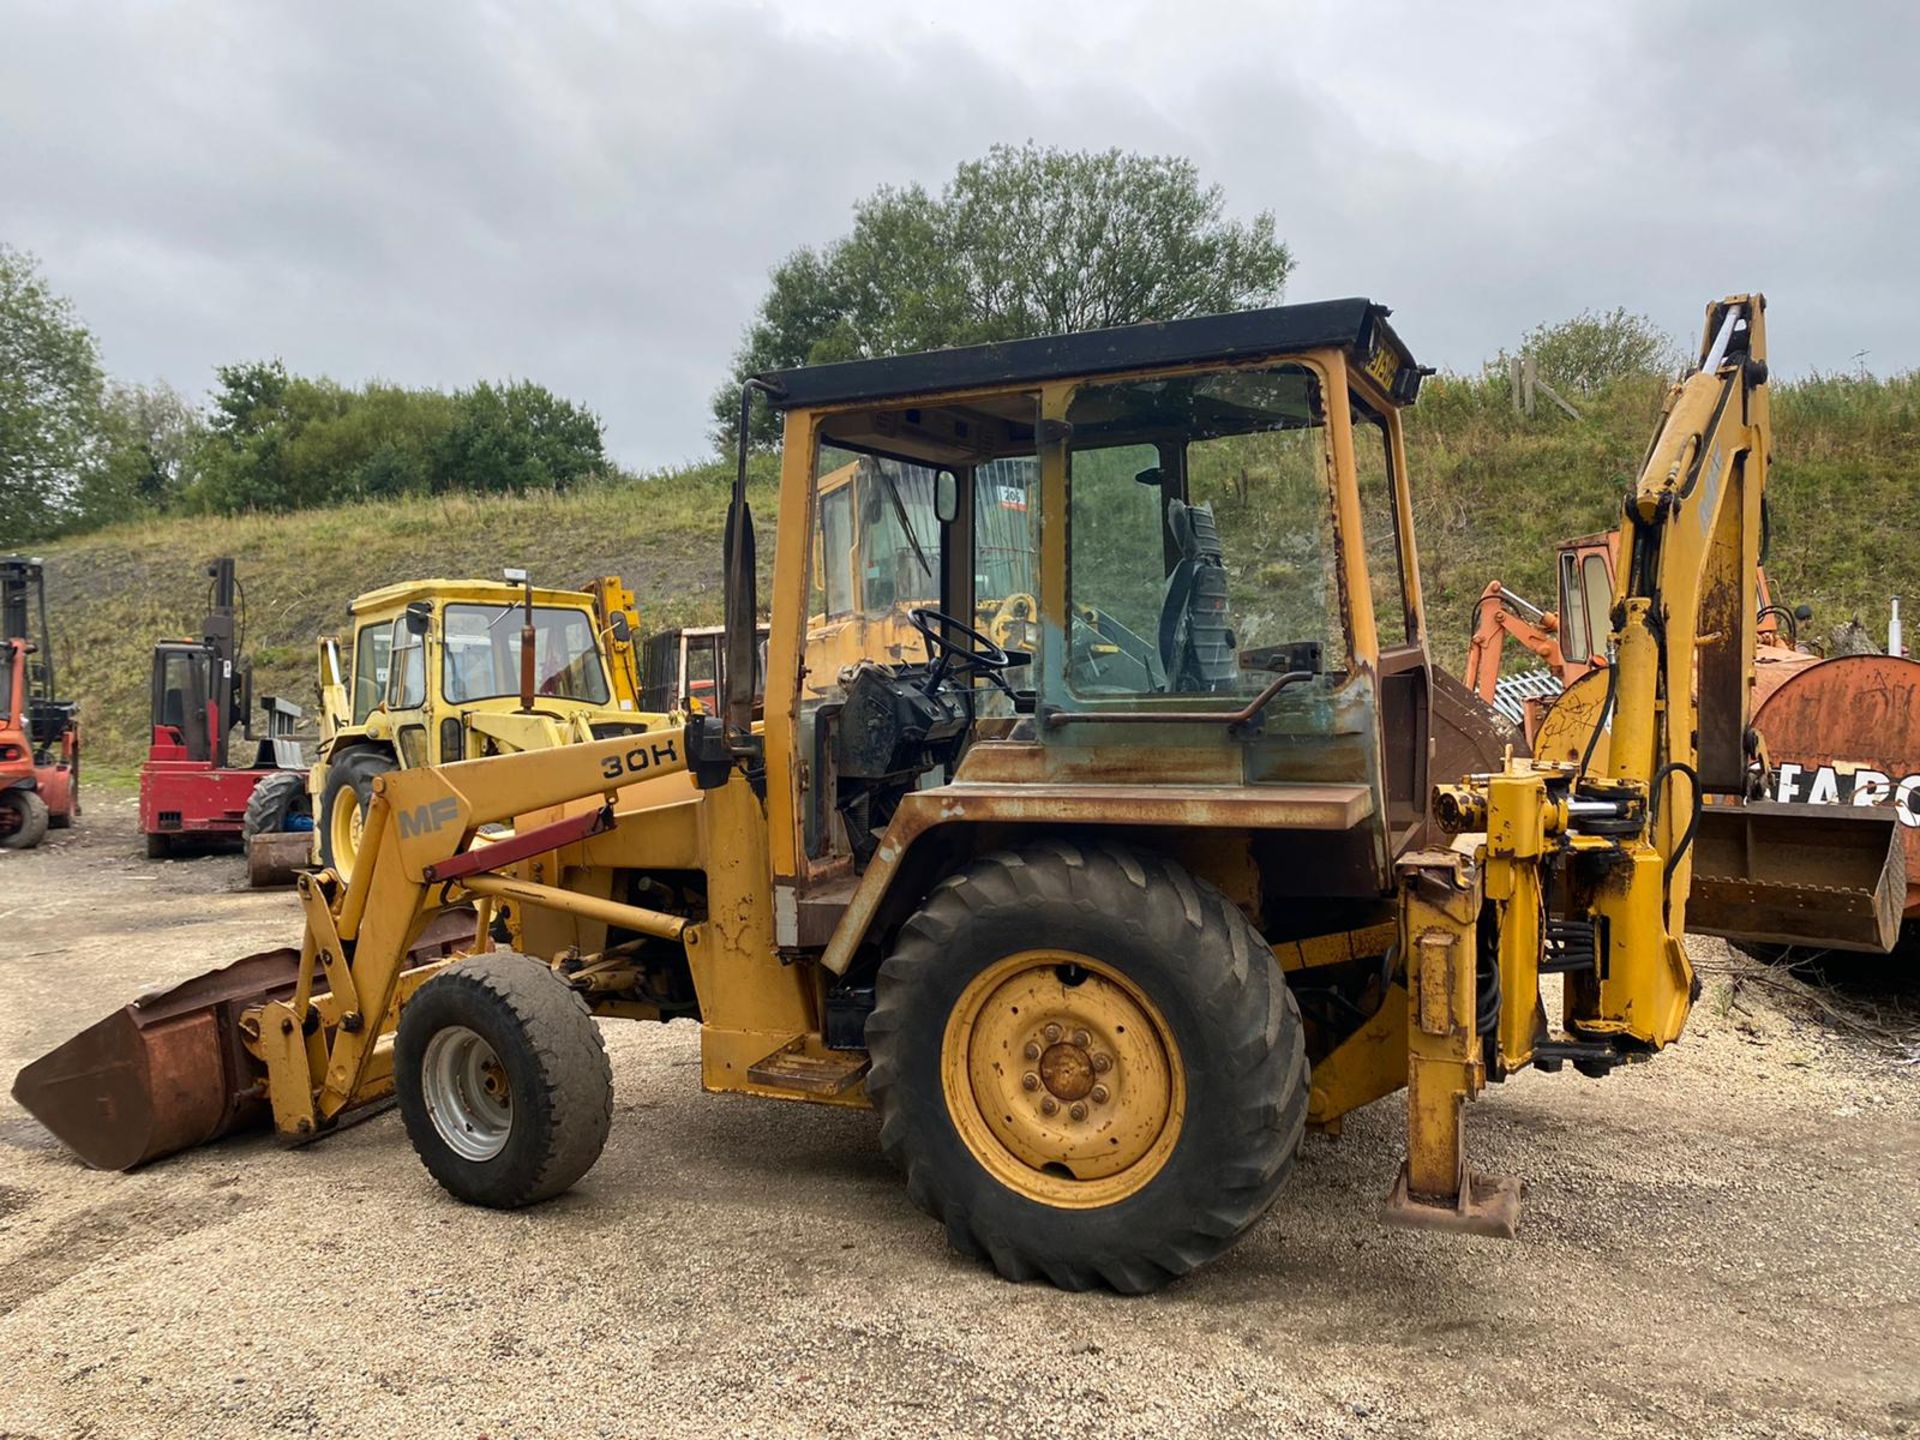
(1493, 491)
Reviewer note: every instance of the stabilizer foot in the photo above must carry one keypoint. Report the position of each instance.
(1486, 1205)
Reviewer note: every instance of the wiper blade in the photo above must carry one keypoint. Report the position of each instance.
(900, 512)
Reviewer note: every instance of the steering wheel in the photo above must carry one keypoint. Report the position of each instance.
(978, 656)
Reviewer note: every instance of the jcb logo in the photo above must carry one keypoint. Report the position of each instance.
(639, 760)
(425, 819)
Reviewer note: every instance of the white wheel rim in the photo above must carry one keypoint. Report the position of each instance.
(465, 1087)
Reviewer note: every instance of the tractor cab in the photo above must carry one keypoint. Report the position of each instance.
(1110, 577)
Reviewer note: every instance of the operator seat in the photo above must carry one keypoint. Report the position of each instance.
(1197, 643)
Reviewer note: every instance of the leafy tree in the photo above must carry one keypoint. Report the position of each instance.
(1590, 351)
(1026, 241)
(149, 437)
(50, 394)
(518, 437)
(284, 442)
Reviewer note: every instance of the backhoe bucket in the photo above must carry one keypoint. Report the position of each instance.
(171, 1070)
(1824, 876)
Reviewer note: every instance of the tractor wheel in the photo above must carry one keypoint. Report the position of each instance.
(23, 820)
(276, 799)
(503, 1081)
(1088, 1064)
(344, 799)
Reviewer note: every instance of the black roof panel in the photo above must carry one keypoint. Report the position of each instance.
(1351, 324)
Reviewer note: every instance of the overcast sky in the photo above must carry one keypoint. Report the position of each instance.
(591, 195)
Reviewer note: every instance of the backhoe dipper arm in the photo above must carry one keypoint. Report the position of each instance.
(1497, 614)
(1684, 604)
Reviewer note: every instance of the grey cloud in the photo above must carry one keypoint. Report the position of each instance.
(591, 195)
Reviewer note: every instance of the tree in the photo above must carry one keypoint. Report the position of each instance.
(50, 395)
(150, 437)
(1590, 351)
(1026, 241)
(518, 437)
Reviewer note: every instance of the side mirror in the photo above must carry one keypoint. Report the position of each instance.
(419, 617)
(946, 497)
(1803, 613)
(622, 630)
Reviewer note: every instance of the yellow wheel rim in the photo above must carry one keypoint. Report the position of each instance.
(346, 825)
(1063, 1079)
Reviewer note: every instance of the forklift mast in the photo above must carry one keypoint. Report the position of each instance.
(23, 616)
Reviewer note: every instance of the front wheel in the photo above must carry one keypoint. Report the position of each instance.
(1088, 1064)
(503, 1081)
(345, 796)
(23, 820)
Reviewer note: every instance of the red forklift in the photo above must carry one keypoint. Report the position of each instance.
(39, 733)
(191, 789)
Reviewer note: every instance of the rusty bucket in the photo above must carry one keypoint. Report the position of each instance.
(1791, 874)
(171, 1070)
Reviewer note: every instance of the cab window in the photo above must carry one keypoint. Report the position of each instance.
(406, 669)
(370, 657)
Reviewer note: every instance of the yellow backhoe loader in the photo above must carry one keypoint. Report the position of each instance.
(443, 670)
(1098, 926)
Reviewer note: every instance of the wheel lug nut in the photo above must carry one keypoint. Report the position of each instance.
(1052, 1032)
(1049, 1105)
(1102, 1064)
(1098, 1095)
(1082, 1039)
(1029, 1081)
(1079, 1110)
(1032, 1052)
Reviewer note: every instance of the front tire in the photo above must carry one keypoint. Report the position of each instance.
(275, 800)
(1088, 1064)
(24, 822)
(344, 798)
(503, 1081)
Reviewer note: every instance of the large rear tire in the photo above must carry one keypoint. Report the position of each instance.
(503, 1081)
(1088, 1064)
(276, 799)
(23, 824)
(344, 798)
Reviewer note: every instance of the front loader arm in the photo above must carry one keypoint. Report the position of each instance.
(325, 1057)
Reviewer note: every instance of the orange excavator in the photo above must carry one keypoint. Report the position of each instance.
(1572, 639)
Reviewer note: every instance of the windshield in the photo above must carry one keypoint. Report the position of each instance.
(481, 657)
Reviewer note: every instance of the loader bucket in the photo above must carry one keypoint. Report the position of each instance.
(170, 1070)
(1825, 876)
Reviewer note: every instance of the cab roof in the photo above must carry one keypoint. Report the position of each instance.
(1356, 325)
(479, 592)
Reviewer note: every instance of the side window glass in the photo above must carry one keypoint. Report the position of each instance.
(1597, 581)
(370, 669)
(1380, 525)
(407, 674)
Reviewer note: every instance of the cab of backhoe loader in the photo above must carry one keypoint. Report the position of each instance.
(1181, 596)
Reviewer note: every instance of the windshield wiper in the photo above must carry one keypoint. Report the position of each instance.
(900, 513)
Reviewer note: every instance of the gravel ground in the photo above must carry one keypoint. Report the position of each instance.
(1725, 1242)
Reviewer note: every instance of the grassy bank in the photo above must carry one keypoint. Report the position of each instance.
(1493, 490)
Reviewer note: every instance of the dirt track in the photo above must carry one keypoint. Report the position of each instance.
(1725, 1242)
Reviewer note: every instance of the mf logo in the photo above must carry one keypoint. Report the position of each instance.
(425, 819)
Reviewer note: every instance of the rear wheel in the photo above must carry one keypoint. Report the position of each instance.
(1089, 1066)
(344, 799)
(23, 820)
(276, 799)
(503, 1081)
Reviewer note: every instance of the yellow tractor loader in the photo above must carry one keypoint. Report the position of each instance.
(1099, 927)
(444, 670)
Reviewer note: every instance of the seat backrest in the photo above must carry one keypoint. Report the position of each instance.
(1197, 644)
